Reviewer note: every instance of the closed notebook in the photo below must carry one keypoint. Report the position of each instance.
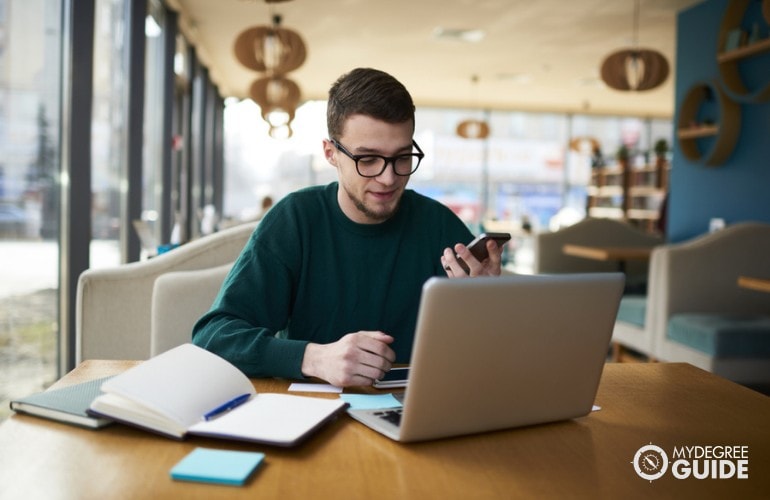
(205, 465)
(173, 392)
(68, 405)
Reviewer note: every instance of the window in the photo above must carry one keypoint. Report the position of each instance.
(30, 38)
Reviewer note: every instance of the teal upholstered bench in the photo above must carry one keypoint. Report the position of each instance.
(723, 335)
(633, 309)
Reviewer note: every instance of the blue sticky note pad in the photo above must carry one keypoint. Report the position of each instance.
(217, 466)
(370, 401)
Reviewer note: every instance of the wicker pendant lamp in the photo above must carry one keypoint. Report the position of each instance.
(473, 128)
(278, 98)
(270, 49)
(273, 51)
(635, 69)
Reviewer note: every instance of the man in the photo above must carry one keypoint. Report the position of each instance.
(329, 284)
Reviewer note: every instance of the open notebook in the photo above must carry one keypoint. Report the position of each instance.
(190, 391)
(495, 353)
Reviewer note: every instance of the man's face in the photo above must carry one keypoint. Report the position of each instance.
(369, 200)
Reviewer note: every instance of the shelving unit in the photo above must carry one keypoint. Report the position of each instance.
(607, 192)
(710, 114)
(634, 194)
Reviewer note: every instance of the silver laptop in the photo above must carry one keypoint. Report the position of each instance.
(495, 353)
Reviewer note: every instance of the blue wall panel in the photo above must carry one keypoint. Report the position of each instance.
(739, 189)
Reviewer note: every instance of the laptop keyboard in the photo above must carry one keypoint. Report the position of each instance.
(393, 416)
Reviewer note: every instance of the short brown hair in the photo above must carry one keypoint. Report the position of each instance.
(369, 92)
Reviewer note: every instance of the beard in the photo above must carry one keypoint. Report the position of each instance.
(378, 216)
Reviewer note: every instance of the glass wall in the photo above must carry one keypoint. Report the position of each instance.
(30, 65)
(524, 170)
(37, 190)
(516, 172)
(530, 174)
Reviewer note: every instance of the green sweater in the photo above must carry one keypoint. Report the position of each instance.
(310, 274)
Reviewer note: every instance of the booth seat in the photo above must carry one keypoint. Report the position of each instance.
(694, 310)
(120, 310)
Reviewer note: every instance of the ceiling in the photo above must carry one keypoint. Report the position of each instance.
(539, 55)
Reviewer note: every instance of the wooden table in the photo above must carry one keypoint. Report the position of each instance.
(669, 405)
(758, 284)
(607, 253)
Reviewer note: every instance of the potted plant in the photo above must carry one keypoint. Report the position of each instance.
(623, 155)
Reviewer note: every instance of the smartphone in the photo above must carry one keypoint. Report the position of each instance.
(396, 377)
(478, 247)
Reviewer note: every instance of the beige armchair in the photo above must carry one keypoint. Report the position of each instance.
(697, 313)
(549, 257)
(119, 316)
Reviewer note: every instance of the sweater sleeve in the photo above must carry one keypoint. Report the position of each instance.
(252, 307)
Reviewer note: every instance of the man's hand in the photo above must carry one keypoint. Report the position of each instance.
(491, 266)
(357, 359)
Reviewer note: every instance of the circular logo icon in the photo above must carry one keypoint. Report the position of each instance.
(650, 462)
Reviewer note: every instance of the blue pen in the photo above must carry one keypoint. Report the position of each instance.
(237, 401)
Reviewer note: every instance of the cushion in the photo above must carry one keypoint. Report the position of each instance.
(179, 299)
(633, 309)
(723, 335)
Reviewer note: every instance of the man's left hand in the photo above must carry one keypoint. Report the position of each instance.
(491, 266)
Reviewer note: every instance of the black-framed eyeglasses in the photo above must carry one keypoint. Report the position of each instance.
(371, 165)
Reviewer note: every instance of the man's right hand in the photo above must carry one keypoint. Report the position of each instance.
(357, 359)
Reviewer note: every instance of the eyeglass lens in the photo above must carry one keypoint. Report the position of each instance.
(373, 166)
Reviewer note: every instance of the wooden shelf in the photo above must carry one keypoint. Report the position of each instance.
(728, 61)
(725, 134)
(612, 171)
(644, 169)
(697, 132)
(642, 214)
(745, 51)
(646, 191)
(606, 212)
(607, 191)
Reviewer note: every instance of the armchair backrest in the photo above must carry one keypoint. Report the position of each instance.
(549, 257)
(113, 308)
(701, 275)
(179, 299)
